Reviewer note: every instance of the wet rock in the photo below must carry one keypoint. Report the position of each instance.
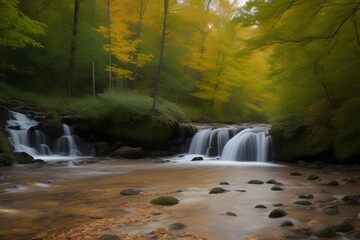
(177, 226)
(179, 191)
(109, 237)
(255, 181)
(295, 235)
(23, 158)
(309, 196)
(197, 159)
(342, 226)
(323, 231)
(331, 210)
(277, 188)
(241, 190)
(295, 174)
(231, 214)
(278, 204)
(286, 223)
(313, 177)
(352, 199)
(51, 125)
(39, 161)
(302, 202)
(277, 213)
(130, 191)
(332, 183)
(217, 190)
(271, 181)
(260, 206)
(224, 183)
(129, 152)
(165, 201)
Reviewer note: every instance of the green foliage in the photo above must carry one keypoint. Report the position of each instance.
(128, 108)
(16, 28)
(6, 155)
(164, 200)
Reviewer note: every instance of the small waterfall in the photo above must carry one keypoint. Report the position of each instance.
(251, 144)
(210, 142)
(25, 138)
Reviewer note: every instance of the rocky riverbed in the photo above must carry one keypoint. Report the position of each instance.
(217, 200)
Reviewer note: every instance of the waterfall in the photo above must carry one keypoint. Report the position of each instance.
(24, 137)
(251, 144)
(210, 142)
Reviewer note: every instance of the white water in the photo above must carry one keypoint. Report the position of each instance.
(35, 142)
(251, 144)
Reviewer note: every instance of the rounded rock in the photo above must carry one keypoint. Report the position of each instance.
(277, 213)
(130, 191)
(109, 237)
(260, 206)
(177, 226)
(342, 226)
(313, 177)
(255, 181)
(217, 190)
(323, 231)
(286, 223)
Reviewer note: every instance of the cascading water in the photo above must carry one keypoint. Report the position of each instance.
(210, 142)
(251, 144)
(25, 138)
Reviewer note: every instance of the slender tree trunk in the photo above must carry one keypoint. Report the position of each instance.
(93, 47)
(162, 46)
(71, 67)
(111, 85)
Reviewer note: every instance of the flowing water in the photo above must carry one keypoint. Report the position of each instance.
(40, 202)
(250, 144)
(24, 137)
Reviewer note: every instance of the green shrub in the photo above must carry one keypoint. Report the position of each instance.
(6, 155)
(165, 200)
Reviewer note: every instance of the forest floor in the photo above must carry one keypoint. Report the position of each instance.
(83, 200)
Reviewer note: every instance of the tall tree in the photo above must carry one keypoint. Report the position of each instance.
(71, 67)
(162, 47)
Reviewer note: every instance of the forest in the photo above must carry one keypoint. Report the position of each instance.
(292, 63)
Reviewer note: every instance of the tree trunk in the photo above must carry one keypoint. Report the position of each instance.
(162, 46)
(111, 84)
(71, 67)
(93, 47)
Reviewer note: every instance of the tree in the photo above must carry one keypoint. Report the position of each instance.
(162, 47)
(16, 28)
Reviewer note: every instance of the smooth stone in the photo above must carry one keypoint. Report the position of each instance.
(331, 210)
(302, 202)
(271, 181)
(295, 174)
(277, 213)
(323, 231)
(313, 177)
(286, 223)
(231, 214)
(217, 190)
(278, 204)
(130, 191)
(277, 188)
(295, 235)
(224, 183)
(352, 199)
(332, 183)
(260, 206)
(310, 196)
(342, 226)
(197, 159)
(241, 190)
(255, 181)
(177, 226)
(109, 237)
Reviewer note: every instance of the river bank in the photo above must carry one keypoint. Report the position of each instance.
(83, 201)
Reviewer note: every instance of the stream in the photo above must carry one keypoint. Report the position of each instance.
(83, 201)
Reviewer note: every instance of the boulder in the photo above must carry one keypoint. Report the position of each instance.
(51, 125)
(277, 213)
(286, 223)
(323, 231)
(129, 152)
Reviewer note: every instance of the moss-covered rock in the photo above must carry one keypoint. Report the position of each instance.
(165, 200)
(129, 152)
(6, 154)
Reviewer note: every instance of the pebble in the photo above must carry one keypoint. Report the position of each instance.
(224, 183)
(217, 190)
(177, 226)
(277, 188)
(260, 206)
(342, 226)
(295, 174)
(278, 204)
(313, 177)
(130, 191)
(255, 181)
(271, 181)
(302, 202)
(310, 196)
(286, 223)
(277, 213)
(231, 214)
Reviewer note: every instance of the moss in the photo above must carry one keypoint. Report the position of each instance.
(165, 200)
(6, 155)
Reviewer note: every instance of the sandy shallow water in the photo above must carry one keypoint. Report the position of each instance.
(67, 201)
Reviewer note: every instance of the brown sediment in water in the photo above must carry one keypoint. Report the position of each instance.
(84, 201)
